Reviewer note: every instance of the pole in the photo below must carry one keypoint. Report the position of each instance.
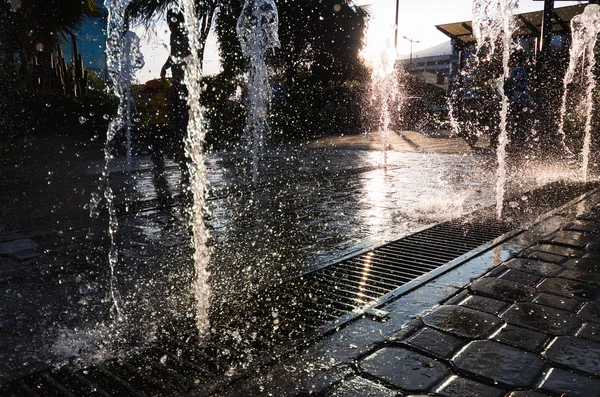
(396, 29)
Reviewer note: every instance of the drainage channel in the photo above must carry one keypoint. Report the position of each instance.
(280, 319)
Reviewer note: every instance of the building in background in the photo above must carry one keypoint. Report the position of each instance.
(436, 65)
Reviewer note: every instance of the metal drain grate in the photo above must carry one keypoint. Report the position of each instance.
(345, 287)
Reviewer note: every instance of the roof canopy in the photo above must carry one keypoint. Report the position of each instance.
(528, 24)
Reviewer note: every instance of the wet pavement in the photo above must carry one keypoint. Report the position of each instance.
(522, 320)
(312, 207)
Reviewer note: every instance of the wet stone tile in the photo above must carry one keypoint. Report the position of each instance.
(457, 298)
(404, 369)
(586, 277)
(484, 304)
(462, 321)
(583, 265)
(560, 302)
(503, 289)
(584, 226)
(594, 256)
(526, 393)
(540, 268)
(407, 330)
(590, 331)
(542, 318)
(569, 288)
(569, 384)
(461, 387)
(576, 353)
(570, 238)
(359, 387)
(590, 312)
(436, 342)
(497, 362)
(15, 246)
(522, 338)
(593, 247)
(521, 277)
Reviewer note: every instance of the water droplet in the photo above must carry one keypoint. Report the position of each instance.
(82, 120)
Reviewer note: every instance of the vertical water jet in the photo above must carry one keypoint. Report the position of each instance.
(257, 31)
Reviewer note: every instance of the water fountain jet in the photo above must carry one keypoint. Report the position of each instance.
(585, 28)
(257, 32)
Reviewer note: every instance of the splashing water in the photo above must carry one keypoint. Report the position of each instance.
(257, 31)
(133, 63)
(585, 28)
(380, 55)
(196, 166)
(116, 62)
(493, 19)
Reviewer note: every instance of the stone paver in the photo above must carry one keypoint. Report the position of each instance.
(540, 268)
(462, 387)
(521, 337)
(499, 363)
(590, 312)
(542, 318)
(462, 321)
(439, 343)
(503, 289)
(559, 302)
(569, 288)
(570, 238)
(359, 387)
(521, 277)
(526, 393)
(484, 304)
(575, 353)
(404, 369)
(583, 264)
(16, 246)
(590, 331)
(569, 384)
(577, 275)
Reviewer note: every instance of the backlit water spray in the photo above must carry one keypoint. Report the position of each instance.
(585, 28)
(493, 20)
(380, 55)
(194, 143)
(116, 29)
(257, 31)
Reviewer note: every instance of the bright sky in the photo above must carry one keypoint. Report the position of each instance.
(417, 21)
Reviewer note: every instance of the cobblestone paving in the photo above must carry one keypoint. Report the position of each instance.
(530, 327)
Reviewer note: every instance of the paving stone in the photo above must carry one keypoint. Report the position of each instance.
(560, 302)
(360, 387)
(584, 226)
(576, 353)
(12, 247)
(503, 289)
(590, 312)
(543, 256)
(526, 393)
(542, 318)
(569, 288)
(583, 265)
(544, 269)
(554, 250)
(462, 321)
(590, 331)
(586, 277)
(407, 330)
(488, 305)
(571, 238)
(500, 363)
(521, 337)
(457, 298)
(461, 387)
(404, 369)
(592, 256)
(593, 247)
(436, 342)
(569, 384)
(521, 277)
